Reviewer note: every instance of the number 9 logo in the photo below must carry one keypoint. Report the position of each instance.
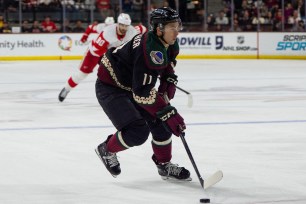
(219, 42)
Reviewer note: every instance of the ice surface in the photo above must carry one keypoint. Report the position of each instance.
(248, 119)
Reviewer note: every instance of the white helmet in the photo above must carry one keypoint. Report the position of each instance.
(124, 18)
(109, 21)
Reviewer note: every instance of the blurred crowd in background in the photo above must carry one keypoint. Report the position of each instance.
(36, 16)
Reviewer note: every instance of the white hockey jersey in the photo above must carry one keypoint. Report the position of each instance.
(110, 38)
(100, 27)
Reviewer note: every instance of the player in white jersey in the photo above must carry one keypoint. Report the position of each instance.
(113, 36)
(97, 28)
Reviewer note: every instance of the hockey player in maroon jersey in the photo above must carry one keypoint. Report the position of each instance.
(112, 36)
(125, 90)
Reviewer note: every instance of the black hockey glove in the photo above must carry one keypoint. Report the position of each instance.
(173, 121)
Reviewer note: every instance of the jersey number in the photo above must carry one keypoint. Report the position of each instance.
(147, 79)
(100, 41)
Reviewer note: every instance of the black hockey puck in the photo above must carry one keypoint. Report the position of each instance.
(204, 200)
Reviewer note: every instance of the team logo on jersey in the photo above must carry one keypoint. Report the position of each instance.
(157, 57)
(65, 43)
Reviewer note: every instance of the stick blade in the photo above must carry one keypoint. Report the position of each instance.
(190, 101)
(213, 179)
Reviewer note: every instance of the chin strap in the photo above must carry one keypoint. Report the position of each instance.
(162, 38)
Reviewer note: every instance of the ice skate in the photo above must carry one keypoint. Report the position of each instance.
(172, 171)
(109, 159)
(62, 95)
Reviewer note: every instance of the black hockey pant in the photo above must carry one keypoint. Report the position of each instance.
(134, 122)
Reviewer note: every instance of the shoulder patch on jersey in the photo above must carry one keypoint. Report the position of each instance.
(157, 57)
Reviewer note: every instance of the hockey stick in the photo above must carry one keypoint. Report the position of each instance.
(190, 100)
(210, 181)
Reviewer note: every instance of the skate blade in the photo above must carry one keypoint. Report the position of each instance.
(97, 152)
(169, 178)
